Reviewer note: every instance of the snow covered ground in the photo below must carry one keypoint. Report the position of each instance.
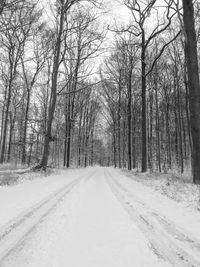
(95, 217)
(174, 185)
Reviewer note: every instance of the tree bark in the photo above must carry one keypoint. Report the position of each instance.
(129, 120)
(114, 145)
(5, 125)
(119, 123)
(25, 127)
(194, 84)
(144, 119)
(53, 97)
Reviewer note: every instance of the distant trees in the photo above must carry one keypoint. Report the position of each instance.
(119, 80)
(84, 42)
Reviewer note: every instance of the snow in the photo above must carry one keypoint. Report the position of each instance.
(180, 223)
(100, 233)
(174, 185)
(106, 220)
(181, 213)
(16, 199)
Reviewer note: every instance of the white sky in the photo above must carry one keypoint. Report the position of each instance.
(118, 11)
(114, 13)
(114, 10)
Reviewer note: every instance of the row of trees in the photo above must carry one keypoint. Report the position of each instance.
(49, 105)
(151, 96)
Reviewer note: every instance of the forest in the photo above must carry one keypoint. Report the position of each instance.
(79, 86)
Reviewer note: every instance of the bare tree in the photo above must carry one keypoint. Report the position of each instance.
(40, 54)
(63, 9)
(141, 13)
(13, 43)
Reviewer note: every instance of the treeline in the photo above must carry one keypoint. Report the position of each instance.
(153, 108)
(48, 102)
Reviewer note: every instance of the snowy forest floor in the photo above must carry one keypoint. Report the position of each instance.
(174, 185)
(99, 217)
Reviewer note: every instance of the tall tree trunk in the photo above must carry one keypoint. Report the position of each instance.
(80, 138)
(53, 97)
(176, 130)
(144, 130)
(25, 128)
(157, 124)
(151, 131)
(119, 123)
(187, 112)
(86, 137)
(114, 145)
(92, 147)
(124, 144)
(179, 122)
(3, 115)
(194, 85)
(12, 125)
(129, 119)
(5, 124)
(68, 128)
(168, 134)
(134, 138)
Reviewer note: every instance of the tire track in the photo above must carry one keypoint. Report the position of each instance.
(15, 231)
(169, 225)
(160, 242)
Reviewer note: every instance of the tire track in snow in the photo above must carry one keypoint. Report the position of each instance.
(163, 244)
(15, 231)
(169, 225)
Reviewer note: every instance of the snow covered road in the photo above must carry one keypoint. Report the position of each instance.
(98, 217)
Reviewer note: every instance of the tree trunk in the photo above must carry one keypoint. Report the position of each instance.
(144, 130)
(157, 124)
(12, 125)
(187, 113)
(134, 139)
(92, 148)
(53, 97)
(194, 85)
(68, 134)
(124, 144)
(79, 138)
(5, 124)
(168, 134)
(114, 145)
(151, 131)
(119, 124)
(129, 119)
(25, 127)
